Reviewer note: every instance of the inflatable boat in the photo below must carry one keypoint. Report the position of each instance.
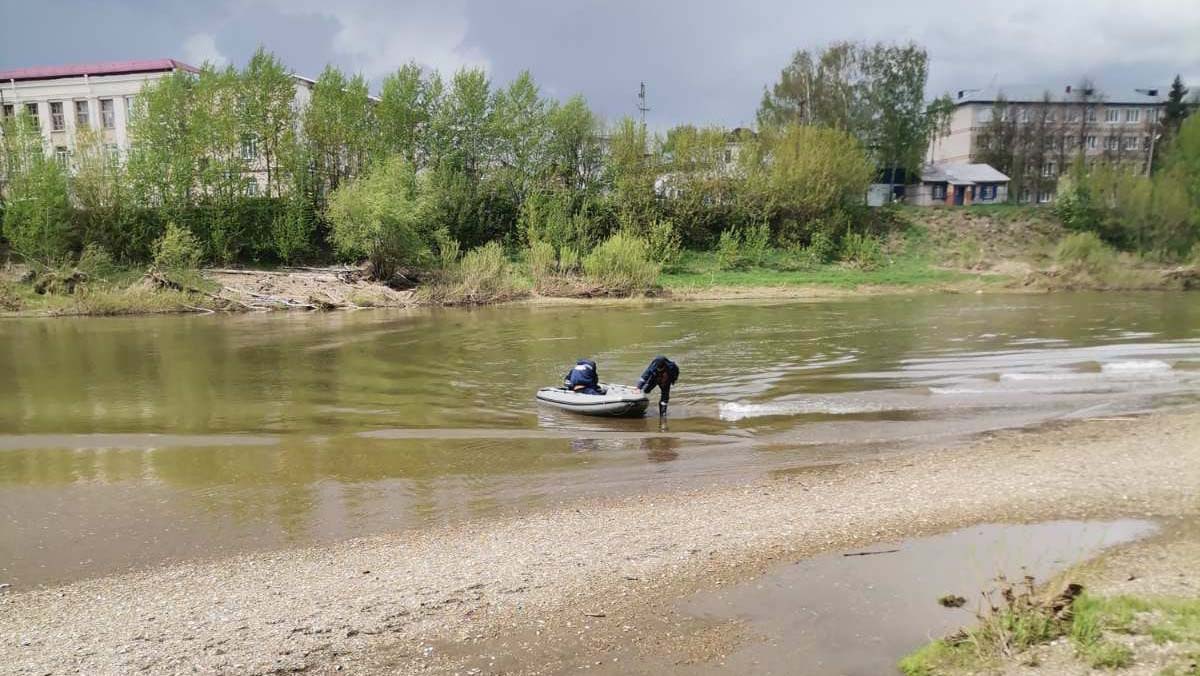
(617, 400)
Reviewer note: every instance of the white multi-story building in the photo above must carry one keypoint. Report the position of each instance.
(63, 100)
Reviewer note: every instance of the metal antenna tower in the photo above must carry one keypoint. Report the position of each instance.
(641, 105)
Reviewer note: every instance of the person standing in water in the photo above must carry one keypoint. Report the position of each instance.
(661, 373)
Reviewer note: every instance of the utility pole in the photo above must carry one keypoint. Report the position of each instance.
(641, 105)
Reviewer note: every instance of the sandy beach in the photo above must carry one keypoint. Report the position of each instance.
(600, 574)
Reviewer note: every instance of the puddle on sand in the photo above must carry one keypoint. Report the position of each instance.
(858, 615)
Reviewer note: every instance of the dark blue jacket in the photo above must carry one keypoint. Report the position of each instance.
(583, 378)
(652, 376)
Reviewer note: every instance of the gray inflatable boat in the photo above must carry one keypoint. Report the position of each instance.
(617, 401)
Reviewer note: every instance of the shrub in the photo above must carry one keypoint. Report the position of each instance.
(756, 242)
(568, 260)
(821, 247)
(96, 263)
(621, 264)
(290, 231)
(381, 216)
(664, 241)
(484, 276)
(542, 264)
(1194, 256)
(1084, 251)
(729, 250)
(177, 249)
(10, 299)
(448, 250)
(864, 252)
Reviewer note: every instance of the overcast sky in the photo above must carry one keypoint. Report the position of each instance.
(703, 61)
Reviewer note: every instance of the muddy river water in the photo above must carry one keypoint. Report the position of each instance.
(133, 441)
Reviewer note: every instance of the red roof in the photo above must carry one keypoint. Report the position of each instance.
(107, 68)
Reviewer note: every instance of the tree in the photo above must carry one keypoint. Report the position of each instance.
(876, 93)
(521, 136)
(339, 127)
(405, 111)
(162, 158)
(382, 216)
(900, 120)
(1176, 108)
(464, 122)
(268, 95)
(802, 178)
(37, 210)
(574, 154)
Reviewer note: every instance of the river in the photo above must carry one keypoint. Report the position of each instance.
(129, 442)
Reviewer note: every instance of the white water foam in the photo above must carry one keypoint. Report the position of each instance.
(732, 411)
(1135, 367)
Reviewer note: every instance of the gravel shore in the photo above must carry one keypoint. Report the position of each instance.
(605, 570)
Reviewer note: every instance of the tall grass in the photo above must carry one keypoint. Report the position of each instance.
(621, 265)
(1085, 252)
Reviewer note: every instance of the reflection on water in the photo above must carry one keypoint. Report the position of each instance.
(130, 441)
(858, 615)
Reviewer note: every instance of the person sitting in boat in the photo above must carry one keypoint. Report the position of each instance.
(583, 378)
(661, 373)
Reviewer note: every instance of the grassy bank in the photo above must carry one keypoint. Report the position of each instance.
(1124, 620)
(932, 249)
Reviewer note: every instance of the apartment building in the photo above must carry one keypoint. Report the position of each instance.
(1048, 130)
(62, 100)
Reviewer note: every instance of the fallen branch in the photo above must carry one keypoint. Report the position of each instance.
(884, 551)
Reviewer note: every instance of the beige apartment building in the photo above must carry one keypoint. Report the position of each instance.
(1051, 129)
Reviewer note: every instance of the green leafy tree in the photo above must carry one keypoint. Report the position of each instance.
(407, 104)
(163, 159)
(37, 210)
(521, 136)
(574, 153)
(382, 216)
(464, 123)
(268, 125)
(339, 128)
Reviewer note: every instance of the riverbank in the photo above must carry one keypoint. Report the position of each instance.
(597, 578)
(1003, 249)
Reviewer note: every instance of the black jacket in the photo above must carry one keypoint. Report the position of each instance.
(583, 376)
(651, 377)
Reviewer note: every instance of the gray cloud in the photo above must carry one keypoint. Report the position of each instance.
(703, 61)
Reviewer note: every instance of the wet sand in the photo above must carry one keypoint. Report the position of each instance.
(600, 579)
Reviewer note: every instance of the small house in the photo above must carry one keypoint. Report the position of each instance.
(959, 184)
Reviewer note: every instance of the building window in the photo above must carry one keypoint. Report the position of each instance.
(31, 116)
(58, 122)
(1091, 142)
(60, 154)
(1045, 197)
(8, 111)
(1112, 115)
(1049, 170)
(1091, 115)
(108, 114)
(987, 193)
(81, 114)
(129, 103)
(249, 149)
(1072, 115)
(1131, 143)
(1133, 114)
(984, 115)
(1152, 114)
(1051, 116)
(252, 188)
(1026, 197)
(939, 191)
(1023, 114)
(1112, 143)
